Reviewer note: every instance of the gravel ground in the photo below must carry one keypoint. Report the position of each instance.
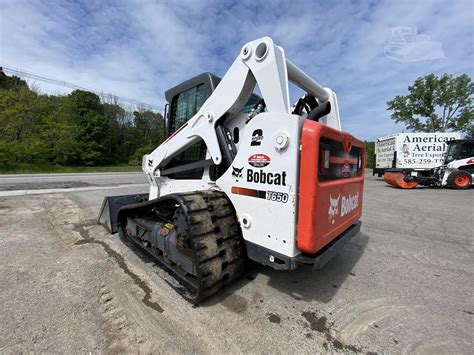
(405, 284)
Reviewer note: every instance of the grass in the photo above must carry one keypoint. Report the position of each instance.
(38, 169)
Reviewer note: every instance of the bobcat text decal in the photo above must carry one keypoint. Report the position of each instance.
(349, 203)
(260, 176)
(266, 178)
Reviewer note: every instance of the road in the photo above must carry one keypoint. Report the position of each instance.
(11, 182)
(405, 284)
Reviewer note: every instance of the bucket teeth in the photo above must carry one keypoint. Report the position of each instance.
(397, 179)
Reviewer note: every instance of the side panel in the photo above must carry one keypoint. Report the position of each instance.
(262, 182)
(422, 150)
(384, 149)
(331, 185)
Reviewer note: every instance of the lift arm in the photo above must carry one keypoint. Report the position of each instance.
(262, 62)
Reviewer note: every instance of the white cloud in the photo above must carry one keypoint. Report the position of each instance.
(139, 49)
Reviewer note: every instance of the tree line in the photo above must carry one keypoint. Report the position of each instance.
(81, 130)
(71, 130)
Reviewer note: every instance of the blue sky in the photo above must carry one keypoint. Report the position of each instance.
(140, 48)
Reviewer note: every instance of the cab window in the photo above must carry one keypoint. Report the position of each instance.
(450, 154)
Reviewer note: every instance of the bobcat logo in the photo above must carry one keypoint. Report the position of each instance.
(237, 173)
(333, 208)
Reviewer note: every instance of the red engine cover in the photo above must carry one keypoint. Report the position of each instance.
(331, 185)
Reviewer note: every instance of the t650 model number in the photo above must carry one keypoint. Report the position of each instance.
(265, 195)
(277, 196)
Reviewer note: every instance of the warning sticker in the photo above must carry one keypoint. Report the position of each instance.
(259, 160)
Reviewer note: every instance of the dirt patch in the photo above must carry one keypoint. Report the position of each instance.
(80, 228)
(235, 303)
(274, 318)
(318, 324)
(321, 325)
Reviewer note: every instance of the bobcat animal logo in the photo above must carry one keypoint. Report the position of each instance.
(333, 208)
(237, 173)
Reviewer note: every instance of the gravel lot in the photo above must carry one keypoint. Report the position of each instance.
(405, 284)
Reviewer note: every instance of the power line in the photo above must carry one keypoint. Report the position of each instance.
(30, 75)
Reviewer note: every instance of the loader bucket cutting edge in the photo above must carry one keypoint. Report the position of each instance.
(111, 206)
(397, 179)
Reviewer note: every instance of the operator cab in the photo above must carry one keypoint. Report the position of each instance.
(184, 101)
(459, 149)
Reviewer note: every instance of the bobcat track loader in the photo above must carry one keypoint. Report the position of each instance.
(241, 176)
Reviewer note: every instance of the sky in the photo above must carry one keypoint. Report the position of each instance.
(140, 48)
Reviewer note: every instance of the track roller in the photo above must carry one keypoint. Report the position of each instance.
(195, 237)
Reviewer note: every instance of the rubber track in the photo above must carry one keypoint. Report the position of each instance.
(209, 221)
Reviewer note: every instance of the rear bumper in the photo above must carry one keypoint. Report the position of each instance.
(281, 262)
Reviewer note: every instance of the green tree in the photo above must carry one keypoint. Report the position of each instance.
(76, 129)
(150, 125)
(147, 133)
(93, 131)
(436, 104)
(57, 131)
(116, 118)
(10, 82)
(370, 152)
(18, 119)
(20, 124)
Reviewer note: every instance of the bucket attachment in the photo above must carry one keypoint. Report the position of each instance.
(111, 206)
(397, 179)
